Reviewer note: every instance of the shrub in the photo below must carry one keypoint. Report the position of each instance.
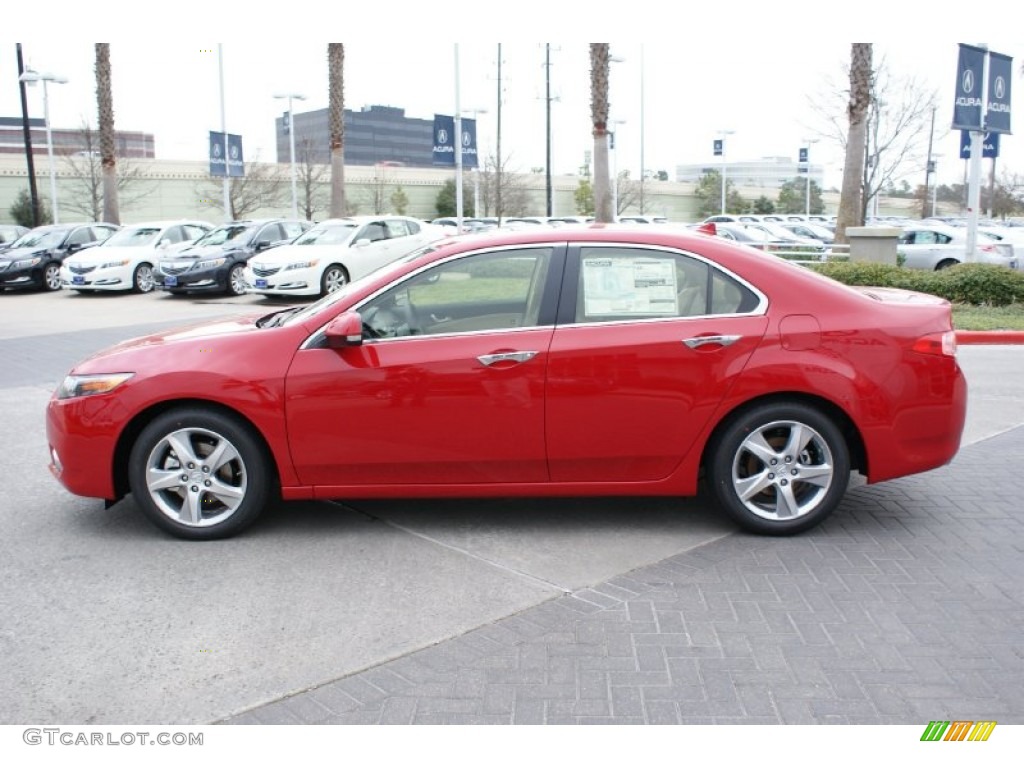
(964, 284)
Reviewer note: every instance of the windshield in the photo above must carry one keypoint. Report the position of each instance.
(132, 236)
(229, 233)
(331, 234)
(49, 238)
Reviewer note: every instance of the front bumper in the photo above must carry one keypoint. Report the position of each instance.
(21, 278)
(109, 279)
(295, 282)
(214, 279)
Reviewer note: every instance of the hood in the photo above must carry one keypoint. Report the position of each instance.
(13, 254)
(284, 254)
(100, 254)
(202, 252)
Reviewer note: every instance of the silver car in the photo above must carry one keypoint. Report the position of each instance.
(937, 246)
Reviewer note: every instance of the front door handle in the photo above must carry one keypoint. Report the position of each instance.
(703, 341)
(506, 357)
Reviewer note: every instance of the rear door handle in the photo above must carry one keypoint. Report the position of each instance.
(506, 357)
(702, 341)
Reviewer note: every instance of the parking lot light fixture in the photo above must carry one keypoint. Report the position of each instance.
(31, 77)
(723, 134)
(291, 145)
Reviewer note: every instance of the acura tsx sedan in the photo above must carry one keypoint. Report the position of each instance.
(578, 361)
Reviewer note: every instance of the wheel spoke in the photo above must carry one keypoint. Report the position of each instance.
(192, 507)
(786, 504)
(749, 487)
(799, 437)
(162, 479)
(816, 474)
(758, 446)
(221, 455)
(229, 494)
(182, 447)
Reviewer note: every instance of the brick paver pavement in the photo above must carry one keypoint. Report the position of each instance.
(905, 607)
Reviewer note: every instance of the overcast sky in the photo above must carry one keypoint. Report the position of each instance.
(701, 78)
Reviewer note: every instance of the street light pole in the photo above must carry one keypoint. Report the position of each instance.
(476, 176)
(723, 134)
(291, 145)
(31, 77)
(615, 169)
(808, 142)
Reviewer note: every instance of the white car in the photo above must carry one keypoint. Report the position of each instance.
(125, 260)
(937, 246)
(336, 252)
(1011, 236)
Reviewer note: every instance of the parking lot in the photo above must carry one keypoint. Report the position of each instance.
(902, 608)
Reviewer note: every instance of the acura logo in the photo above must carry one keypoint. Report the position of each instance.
(1000, 87)
(968, 83)
(442, 136)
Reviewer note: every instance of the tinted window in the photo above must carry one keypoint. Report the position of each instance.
(269, 234)
(292, 229)
(373, 232)
(81, 236)
(729, 297)
(484, 292)
(397, 228)
(193, 232)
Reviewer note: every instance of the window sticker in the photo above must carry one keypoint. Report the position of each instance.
(629, 287)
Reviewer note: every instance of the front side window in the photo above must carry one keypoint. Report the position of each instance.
(397, 228)
(484, 292)
(373, 232)
(81, 236)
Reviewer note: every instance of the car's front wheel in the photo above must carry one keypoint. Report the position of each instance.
(236, 280)
(51, 277)
(143, 280)
(199, 474)
(779, 468)
(335, 277)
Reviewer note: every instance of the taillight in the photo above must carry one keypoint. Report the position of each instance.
(937, 344)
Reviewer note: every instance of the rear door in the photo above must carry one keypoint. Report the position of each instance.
(647, 344)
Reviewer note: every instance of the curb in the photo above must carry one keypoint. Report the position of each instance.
(990, 337)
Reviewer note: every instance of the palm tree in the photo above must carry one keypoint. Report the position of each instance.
(850, 204)
(108, 157)
(336, 120)
(599, 70)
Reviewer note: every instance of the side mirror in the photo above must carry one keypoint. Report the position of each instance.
(72, 247)
(346, 330)
(362, 242)
(262, 245)
(164, 243)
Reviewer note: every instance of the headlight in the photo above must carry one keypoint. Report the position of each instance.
(209, 264)
(120, 263)
(26, 262)
(303, 264)
(93, 384)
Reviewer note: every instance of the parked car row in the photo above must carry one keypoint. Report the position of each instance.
(181, 257)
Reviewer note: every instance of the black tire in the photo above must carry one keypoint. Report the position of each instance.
(50, 277)
(201, 501)
(333, 278)
(236, 281)
(142, 279)
(773, 499)
(946, 264)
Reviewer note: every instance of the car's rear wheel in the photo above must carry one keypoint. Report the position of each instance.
(334, 278)
(946, 264)
(51, 277)
(236, 280)
(143, 280)
(779, 468)
(199, 474)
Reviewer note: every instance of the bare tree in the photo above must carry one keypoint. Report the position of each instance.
(599, 71)
(499, 183)
(105, 103)
(377, 195)
(850, 201)
(628, 192)
(336, 120)
(263, 186)
(896, 127)
(86, 179)
(310, 174)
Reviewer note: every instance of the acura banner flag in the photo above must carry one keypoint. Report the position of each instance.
(989, 147)
(997, 106)
(970, 76)
(444, 141)
(235, 162)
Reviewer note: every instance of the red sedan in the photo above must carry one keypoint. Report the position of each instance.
(597, 360)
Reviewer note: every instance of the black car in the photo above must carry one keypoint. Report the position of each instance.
(34, 259)
(215, 262)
